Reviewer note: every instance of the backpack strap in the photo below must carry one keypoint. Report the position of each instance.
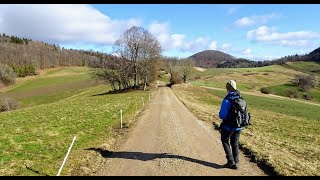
(232, 97)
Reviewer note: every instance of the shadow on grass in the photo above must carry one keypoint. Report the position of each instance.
(263, 165)
(151, 156)
(117, 92)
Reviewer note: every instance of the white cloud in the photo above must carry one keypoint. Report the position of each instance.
(159, 28)
(270, 57)
(246, 51)
(255, 19)
(62, 23)
(171, 41)
(167, 40)
(82, 25)
(177, 40)
(269, 35)
(198, 44)
(225, 47)
(245, 21)
(232, 10)
(301, 43)
(213, 45)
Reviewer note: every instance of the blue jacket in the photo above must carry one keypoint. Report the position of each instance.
(224, 112)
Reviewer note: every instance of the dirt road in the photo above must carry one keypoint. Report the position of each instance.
(169, 140)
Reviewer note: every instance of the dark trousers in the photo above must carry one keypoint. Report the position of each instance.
(233, 137)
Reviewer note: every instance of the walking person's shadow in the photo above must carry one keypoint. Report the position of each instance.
(151, 156)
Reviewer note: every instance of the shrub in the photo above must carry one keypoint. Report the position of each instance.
(307, 97)
(265, 90)
(24, 70)
(7, 75)
(8, 104)
(197, 77)
(176, 77)
(291, 93)
(305, 82)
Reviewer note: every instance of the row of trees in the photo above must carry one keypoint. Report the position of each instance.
(138, 61)
(245, 63)
(138, 53)
(14, 39)
(180, 70)
(39, 54)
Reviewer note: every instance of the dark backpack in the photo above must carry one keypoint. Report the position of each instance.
(239, 114)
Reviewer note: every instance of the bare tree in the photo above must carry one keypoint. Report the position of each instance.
(137, 44)
(186, 67)
(306, 82)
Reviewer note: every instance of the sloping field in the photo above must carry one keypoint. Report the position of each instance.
(276, 78)
(51, 86)
(34, 141)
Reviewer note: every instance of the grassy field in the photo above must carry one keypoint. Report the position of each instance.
(52, 78)
(276, 78)
(282, 88)
(306, 67)
(34, 141)
(55, 106)
(284, 135)
(46, 99)
(248, 79)
(164, 78)
(51, 86)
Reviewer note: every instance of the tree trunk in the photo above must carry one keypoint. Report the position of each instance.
(135, 75)
(145, 83)
(113, 87)
(119, 83)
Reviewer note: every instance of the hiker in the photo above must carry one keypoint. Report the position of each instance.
(227, 131)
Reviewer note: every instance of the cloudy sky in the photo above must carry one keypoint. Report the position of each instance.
(248, 31)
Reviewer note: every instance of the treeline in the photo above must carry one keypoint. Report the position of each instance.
(25, 55)
(239, 63)
(13, 39)
(245, 63)
(179, 69)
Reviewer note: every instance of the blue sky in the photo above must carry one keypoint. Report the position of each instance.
(257, 32)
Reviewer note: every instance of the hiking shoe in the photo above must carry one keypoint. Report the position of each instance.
(229, 165)
(234, 166)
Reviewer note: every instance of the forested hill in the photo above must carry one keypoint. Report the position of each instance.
(21, 52)
(210, 58)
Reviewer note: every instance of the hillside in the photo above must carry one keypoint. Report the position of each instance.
(55, 106)
(305, 67)
(21, 53)
(316, 51)
(210, 58)
(276, 78)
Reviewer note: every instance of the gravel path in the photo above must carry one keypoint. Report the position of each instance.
(169, 140)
